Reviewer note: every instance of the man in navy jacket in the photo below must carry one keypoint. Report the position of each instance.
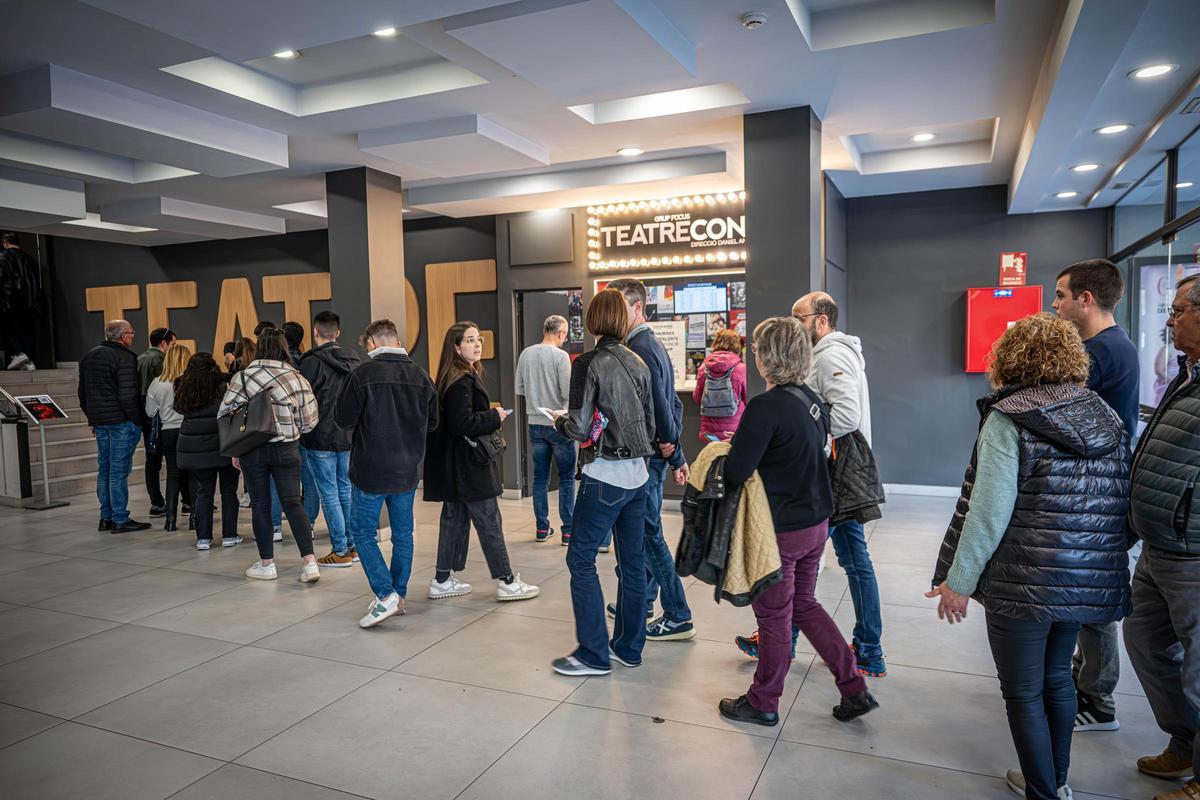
(676, 621)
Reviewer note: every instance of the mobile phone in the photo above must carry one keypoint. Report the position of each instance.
(712, 437)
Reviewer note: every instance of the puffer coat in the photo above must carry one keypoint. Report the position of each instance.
(1063, 556)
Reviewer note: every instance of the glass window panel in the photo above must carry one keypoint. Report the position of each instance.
(1140, 211)
(1188, 181)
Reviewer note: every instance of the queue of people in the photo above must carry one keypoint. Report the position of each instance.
(1054, 497)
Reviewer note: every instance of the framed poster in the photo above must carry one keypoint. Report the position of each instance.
(41, 406)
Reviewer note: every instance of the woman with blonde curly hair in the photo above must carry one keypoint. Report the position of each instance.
(1038, 537)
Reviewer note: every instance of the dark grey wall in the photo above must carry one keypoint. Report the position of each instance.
(80, 263)
(834, 248)
(911, 257)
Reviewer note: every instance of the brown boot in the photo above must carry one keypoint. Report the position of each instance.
(1168, 764)
(1189, 791)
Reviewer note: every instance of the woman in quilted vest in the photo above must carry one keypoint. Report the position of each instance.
(1038, 537)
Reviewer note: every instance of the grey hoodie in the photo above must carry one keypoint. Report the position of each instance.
(839, 375)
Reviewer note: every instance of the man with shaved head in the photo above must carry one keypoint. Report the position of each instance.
(839, 375)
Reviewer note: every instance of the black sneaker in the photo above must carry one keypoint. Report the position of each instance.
(664, 630)
(570, 665)
(546, 534)
(1091, 718)
(739, 709)
(185, 508)
(854, 707)
(130, 526)
(158, 511)
(566, 539)
(611, 608)
(105, 525)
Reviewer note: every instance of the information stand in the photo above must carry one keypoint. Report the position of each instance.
(40, 408)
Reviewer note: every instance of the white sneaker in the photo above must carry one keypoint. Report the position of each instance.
(1016, 782)
(310, 573)
(18, 361)
(203, 544)
(453, 587)
(30, 367)
(257, 570)
(243, 501)
(277, 535)
(230, 541)
(380, 610)
(517, 590)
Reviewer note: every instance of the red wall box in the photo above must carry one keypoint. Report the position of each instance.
(990, 312)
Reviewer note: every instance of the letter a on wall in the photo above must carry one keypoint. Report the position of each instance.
(236, 312)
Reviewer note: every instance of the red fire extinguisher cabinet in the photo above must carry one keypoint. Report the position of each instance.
(990, 312)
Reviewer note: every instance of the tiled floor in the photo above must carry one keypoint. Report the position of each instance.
(135, 667)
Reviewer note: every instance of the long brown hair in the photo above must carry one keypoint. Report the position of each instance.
(453, 366)
(200, 384)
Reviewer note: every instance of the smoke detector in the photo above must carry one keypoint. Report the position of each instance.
(753, 20)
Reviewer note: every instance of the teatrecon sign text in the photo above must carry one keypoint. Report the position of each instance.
(677, 229)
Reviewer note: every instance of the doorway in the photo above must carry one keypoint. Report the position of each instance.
(532, 309)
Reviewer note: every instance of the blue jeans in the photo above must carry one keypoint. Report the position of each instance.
(308, 488)
(600, 508)
(364, 517)
(660, 561)
(330, 473)
(546, 443)
(850, 545)
(1033, 662)
(114, 455)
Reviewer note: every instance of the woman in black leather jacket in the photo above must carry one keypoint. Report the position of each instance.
(611, 412)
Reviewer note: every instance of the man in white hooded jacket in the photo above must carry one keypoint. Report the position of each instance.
(839, 375)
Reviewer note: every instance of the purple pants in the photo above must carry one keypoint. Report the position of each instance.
(792, 602)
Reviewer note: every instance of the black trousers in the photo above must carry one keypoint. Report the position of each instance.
(454, 536)
(178, 482)
(279, 461)
(204, 484)
(153, 467)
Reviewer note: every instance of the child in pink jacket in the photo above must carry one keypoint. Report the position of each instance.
(721, 411)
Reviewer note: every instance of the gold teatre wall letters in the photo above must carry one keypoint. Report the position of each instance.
(161, 298)
(297, 292)
(114, 301)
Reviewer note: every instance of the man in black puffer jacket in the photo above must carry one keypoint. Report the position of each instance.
(325, 450)
(110, 397)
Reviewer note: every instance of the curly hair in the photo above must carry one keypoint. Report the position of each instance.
(1041, 349)
(727, 339)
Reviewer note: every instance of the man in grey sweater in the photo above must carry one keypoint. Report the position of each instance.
(544, 380)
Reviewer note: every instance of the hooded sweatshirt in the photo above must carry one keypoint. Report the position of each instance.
(719, 364)
(839, 375)
(326, 368)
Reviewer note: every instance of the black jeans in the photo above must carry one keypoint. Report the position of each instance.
(454, 535)
(177, 479)
(153, 467)
(1033, 660)
(279, 461)
(204, 484)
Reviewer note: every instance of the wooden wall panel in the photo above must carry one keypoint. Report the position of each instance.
(442, 283)
(114, 301)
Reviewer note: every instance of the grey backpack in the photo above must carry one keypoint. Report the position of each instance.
(718, 399)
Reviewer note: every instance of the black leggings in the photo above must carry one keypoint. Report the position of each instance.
(177, 479)
(205, 483)
(280, 461)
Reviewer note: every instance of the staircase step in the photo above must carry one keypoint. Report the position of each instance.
(62, 449)
(41, 377)
(66, 487)
(63, 430)
(78, 465)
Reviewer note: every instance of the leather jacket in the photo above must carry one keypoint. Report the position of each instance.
(613, 379)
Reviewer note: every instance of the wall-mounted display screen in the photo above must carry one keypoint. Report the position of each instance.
(700, 298)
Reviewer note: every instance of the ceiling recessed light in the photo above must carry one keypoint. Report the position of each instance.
(1183, 185)
(629, 152)
(1120, 127)
(384, 33)
(923, 137)
(1152, 71)
(1084, 167)
(1066, 195)
(287, 54)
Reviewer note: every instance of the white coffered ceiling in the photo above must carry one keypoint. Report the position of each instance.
(177, 116)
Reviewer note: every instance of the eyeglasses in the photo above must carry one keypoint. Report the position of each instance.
(1177, 311)
(802, 317)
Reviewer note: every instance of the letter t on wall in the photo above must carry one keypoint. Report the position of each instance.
(161, 298)
(114, 301)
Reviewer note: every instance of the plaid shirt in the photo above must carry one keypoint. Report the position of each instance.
(292, 397)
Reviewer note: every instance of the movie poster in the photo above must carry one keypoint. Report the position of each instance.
(737, 321)
(716, 323)
(697, 331)
(737, 294)
(574, 343)
(1157, 356)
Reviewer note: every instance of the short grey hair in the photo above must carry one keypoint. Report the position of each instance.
(1192, 282)
(554, 323)
(782, 350)
(115, 329)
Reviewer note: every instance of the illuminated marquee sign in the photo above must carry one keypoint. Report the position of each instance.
(698, 230)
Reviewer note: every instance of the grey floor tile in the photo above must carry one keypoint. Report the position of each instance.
(335, 634)
(18, 723)
(15, 560)
(915, 637)
(668, 759)
(154, 549)
(75, 761)
(801, 772)
(77, 677)
(918, 552)
(140, 595)
(482, 584)
(901, 585)
(26, 631)
(502, 651)
(554, 602)
(72, 541)
(721, 622)
(460, 731)
(1104, 762)
(248, 612)
(231, 704)
(684, 681)
(234, 781)
(7, 607)
(60, 577)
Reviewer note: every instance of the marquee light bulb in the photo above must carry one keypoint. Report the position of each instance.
(741, 195)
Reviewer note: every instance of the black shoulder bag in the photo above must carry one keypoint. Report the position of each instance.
(487, 447)
(249, 425)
